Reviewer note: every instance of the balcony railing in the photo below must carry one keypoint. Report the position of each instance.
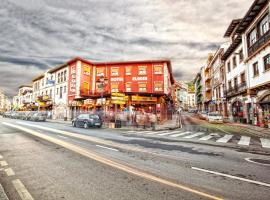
(259, 43)
(238, 89)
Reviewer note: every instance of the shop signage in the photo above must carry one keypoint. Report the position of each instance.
(72, 87)
(140, 78)
(101, 101)
(115, 94)
(125, 98)
(117, 79)
(88, 102)
(143, 98)
(115, 101)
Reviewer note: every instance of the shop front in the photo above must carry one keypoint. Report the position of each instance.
(264, 115)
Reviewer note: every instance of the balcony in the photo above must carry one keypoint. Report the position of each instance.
(259, 43)
(238, 89)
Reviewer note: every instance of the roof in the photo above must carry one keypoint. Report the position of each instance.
(25, 85)
(38, 77)
(232, 47)
(253, 11)
(231, 27)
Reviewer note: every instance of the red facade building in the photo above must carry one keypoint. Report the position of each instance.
(129, 84)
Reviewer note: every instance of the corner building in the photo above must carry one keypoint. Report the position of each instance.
(130, 86)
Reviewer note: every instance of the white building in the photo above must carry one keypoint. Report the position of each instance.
(5, 103)
(24, 98)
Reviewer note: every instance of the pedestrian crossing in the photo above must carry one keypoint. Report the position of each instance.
(203, 136)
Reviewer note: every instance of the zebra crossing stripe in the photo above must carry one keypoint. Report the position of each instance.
(194, 135)
(155, 132)
(225, 138)
(169, 133)
(207, 137)
(180, 134)
(265, 143)
(244, 140)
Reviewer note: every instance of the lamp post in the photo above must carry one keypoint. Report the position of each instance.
(103, 81)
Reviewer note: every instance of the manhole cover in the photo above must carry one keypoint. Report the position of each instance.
(258, 161)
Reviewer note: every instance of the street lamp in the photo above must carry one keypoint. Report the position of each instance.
(102, 82)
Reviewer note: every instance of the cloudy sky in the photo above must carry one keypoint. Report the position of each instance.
(38, 34)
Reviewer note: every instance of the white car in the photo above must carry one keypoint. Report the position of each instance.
(214, 118)
(203, 115)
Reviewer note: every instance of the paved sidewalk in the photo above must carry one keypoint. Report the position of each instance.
(3, 195)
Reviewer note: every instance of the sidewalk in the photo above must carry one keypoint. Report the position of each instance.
(3, 195)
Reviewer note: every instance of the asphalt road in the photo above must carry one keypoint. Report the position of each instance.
(57, 161)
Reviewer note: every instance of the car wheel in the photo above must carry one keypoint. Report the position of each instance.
(85, 125)
(73, 124)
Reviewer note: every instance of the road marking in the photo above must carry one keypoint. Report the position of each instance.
(1, 157)
(244, 140)
(62, 136)
(207, 137)
(249, 160)
(154, 132)
(22, 191)
(180, 134)
(107, 147)
(265, 143)
(231, 176)
(225, 138)
(163, 134)
(87, 153)
(3, 163)
(9, 172)
(194, 135)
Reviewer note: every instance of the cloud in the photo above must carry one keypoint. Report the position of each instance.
(38, 34)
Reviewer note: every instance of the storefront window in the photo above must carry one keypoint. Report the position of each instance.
(86, 70)
(114, 71)
(100, 71)
(85, 87)
(142, 87)
(158, 86)
(114, 87)
(158, 69)
(142, 70)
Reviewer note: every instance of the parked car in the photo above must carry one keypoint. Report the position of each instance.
(28, 115)
(192, 110)
(38, 117)
(215, 118)
(203, 115)
(7, 114)
(87, 120)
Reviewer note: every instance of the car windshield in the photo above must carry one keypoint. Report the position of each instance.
(94, 116)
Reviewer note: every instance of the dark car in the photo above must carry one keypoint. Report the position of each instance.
(7, 114)
(87, 120)
(28, 115)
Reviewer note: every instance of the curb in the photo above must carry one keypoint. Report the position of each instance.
(3, 195)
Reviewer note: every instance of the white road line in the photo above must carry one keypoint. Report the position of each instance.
(154, 132)
(231, 176)
(265, 143)
(163, 134)
(62, 136)
(107, 148)
(249, 160)
(225, 138)
(207, 137)
(22, 191)
(194, 135)
(1, 157)
(3, 163)
(9, 172)
(244, 140)
(143, 132)
(180, 134)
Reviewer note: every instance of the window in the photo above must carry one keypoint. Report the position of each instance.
(57, 91)
(65, 89)
(50, 93)
(86, 70)
(252, 37)
(58, 77)
(142, 70)
(62, 77)
(65, 75)
(142, 87)
(243, 78)
(158, 69)
(128, 87)
(229, 66)
(61, 92)
(100, 71)
(241, 56)
(86, 88)
(230, 85)
(114, 71)
(235, 82)
(114, 87)
(264, 25)
(128, 70)
(255, 69)
(158, 86)
(234, 62)
(266, 61)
